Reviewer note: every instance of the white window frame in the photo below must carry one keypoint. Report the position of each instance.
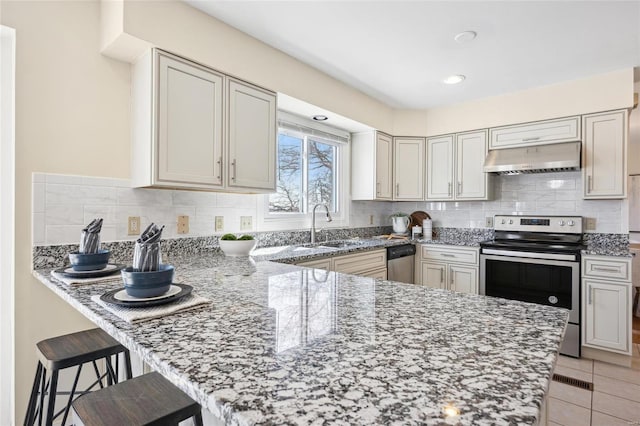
(269, 221)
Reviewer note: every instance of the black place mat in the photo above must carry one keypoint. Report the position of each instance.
(108, 297)
(111, 268)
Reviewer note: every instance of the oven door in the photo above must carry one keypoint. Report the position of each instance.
(543, 281)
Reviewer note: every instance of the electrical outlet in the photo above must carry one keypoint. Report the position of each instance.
(133, 225)
(219, 223)
(590, 223)
(183, 224)
(246, 223)
(488, 222)
(370, 219)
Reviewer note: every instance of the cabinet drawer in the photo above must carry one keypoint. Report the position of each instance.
(538, 133)
(361, 262)
(453, 255)
(317, 264)
(607, 267)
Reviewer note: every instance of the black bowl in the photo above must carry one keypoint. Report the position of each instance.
(147, 284)
(89, 262)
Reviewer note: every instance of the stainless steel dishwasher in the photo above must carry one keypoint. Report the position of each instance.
(401, 263)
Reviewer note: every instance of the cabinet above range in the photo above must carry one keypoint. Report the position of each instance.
(196, 128)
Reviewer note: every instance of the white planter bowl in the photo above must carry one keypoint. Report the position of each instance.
(237, 247)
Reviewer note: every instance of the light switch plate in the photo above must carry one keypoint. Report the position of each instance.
(219, 227)
(183, 224)
(246, 223)
(133, 225)
(488, 222)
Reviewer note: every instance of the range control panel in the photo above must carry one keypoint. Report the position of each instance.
(556, 224)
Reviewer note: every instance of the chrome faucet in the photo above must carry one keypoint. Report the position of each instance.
(313, 220)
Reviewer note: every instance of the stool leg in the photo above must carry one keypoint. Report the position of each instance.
(111, 374)
(71, 394)
(43, 390)
(53, 387)
(127, 363)
(197, 419)
(30, 417)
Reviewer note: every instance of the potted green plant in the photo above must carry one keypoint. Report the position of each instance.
(237, 246)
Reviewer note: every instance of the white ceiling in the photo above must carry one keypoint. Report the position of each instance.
(399, 51)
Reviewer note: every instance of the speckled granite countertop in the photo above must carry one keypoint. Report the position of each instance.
(281, 344)
(607, 245)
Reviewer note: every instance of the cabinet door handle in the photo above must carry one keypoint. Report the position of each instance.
(377, 188)
(451, 280)
(459, 188)
(219, 167)
(233, 165)
(397, 189)
(600, 268)
(449, 189)
(589, 184)
(531, 139)
(589, 294)
(441, 275)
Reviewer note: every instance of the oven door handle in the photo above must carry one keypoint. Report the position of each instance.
(530, 255)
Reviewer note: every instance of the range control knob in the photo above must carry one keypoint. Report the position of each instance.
(503, 221)
(571, 223)
(561, 223)
(510, 221)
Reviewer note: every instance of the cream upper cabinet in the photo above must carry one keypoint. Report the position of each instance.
(606, 302)
(408, 168)
(537, 133)
(455, 167)
(252, 136)
(604, 155)
(371, 166)
(180, 138)
(440, 175)
(472, 183)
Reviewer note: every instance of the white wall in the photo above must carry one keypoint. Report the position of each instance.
(533, 194)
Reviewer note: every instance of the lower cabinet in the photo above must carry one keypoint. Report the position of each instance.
(606, 313)
(459, 272)
(371, 264)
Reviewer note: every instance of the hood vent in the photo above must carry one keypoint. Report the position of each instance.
(560, 157)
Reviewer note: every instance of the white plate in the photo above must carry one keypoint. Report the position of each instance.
(124, 297)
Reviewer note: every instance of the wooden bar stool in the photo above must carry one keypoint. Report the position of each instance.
(71, 350)
(149, 399)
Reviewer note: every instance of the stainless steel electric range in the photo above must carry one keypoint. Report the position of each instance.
(536, 259)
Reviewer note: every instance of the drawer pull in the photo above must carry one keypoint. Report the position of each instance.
(447, 255)
(531, 139)
(600, 268)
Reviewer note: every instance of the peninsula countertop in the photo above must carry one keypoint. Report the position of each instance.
(282, 344)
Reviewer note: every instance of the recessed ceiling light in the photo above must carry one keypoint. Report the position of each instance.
(320, 117)
(454, 79)
(465, 36)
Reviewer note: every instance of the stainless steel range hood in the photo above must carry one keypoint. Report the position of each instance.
(560, 157)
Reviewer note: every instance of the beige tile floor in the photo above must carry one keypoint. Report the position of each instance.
(615, 399)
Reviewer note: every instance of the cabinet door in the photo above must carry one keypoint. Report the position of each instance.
(251, 137)
(384, 167)
(471, 180)
(440, 168)
(463, 279)
(607, 315)
(189, 124)
(433, 274)
(378, 273)
(604, 155)
(537, 133)
(408, 168)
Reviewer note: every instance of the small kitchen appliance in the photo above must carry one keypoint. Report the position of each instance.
(536, 259)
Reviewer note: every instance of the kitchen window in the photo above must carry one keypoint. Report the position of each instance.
(310, 170)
